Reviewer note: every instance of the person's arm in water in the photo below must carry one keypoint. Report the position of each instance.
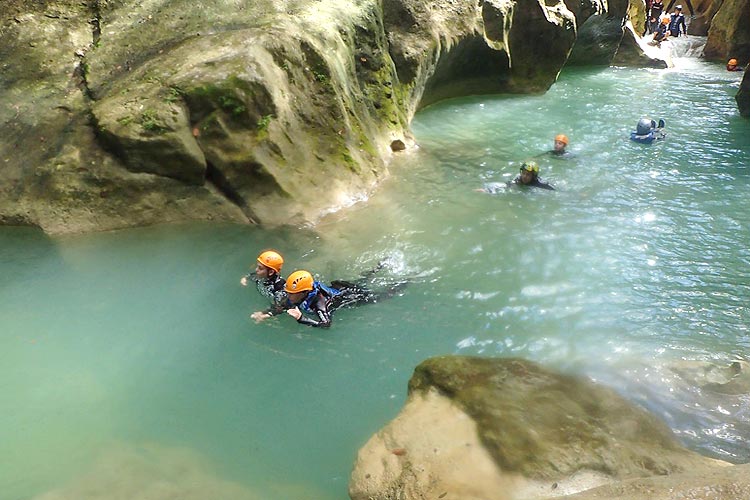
(320, 307)
(279, 306)
(492, 188)
(541, 184)
(280, 303)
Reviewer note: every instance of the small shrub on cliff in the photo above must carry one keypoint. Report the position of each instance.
(150, 121)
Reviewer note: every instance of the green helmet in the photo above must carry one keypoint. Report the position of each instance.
(530, 166)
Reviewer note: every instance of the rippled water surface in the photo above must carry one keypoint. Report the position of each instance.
(133, 351)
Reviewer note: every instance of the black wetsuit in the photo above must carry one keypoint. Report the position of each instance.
(534, 183)
(654, 13)
(661, 33)
(675, 21)
(273, 288)
(322, 300)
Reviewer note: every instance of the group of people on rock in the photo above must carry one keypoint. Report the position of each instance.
(301, 296)
(663, 26)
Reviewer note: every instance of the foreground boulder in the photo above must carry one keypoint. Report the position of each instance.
(479, 428)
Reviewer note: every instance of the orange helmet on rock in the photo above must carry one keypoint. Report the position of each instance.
(562, 138)
(299, 281)
(272, 260)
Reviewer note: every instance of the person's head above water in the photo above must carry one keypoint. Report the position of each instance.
(298, 284)
(645, 125)
(269, 263)
(529, 172)
(561, 142)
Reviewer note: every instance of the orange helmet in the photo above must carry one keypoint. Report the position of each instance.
(562, 138)
(272, 260)
(732, 62)
(665, 20)
(299, 281)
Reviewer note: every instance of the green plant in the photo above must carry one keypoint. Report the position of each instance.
(320, 77)
(174, 94)
(232, 104)
(263, 122)
(125, 120)
(150, 121)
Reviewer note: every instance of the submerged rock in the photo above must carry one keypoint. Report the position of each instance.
(149, 472)
(508, 428)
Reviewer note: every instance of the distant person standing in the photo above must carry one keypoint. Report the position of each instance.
(732, 65)
(677, 20)
(654, 14)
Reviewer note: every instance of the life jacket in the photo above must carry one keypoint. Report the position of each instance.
(645, 138)
(674, 23)
(653, 134)
(318, 287)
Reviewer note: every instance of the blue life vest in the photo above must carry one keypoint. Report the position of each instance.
(317, 286)
(645, 138)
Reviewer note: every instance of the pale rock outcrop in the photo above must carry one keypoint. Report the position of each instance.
(635, 51)
(507, 428)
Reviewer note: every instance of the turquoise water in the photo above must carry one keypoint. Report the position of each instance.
(135, 348)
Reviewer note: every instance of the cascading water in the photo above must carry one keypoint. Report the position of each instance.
(687, 46)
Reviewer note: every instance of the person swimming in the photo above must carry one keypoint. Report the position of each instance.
(528, 177)
(647, 130)
(270, 283)
(312, 303)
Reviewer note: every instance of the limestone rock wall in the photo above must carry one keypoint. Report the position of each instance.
(729, 32)
(125, 112)
(743, 95)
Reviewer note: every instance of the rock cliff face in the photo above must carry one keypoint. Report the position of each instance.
(743, 95)
(495, 429)
(125, 112)
(729, 32)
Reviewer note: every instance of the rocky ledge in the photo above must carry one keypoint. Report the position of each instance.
(499, 429)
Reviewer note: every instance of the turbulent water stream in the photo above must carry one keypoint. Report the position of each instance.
(128, 359)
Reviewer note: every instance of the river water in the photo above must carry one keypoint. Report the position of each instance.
(128, 360)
